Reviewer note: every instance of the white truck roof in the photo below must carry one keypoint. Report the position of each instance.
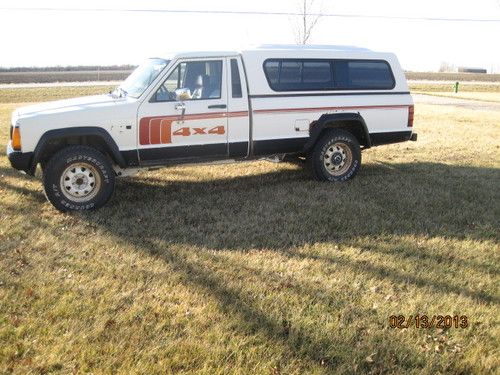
(268, 48)
(254, 58)
(298, 47)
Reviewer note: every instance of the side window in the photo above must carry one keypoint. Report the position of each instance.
(299, 75)
(311, 75)
(290, 74)
(197, 79)
(235, 80)
(363, 74)
(317, 75)
(272, 70)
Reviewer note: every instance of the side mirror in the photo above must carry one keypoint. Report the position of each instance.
(182, 94)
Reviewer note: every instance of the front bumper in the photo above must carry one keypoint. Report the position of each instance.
(19, 160)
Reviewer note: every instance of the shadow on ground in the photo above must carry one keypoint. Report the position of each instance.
(284, 210)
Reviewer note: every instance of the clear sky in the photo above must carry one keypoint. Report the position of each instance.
(42, 38)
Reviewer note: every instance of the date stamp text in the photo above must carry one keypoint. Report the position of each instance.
(428, 321)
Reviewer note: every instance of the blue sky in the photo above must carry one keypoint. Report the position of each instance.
(41, 38)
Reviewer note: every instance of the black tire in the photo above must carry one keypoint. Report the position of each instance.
(78, 178)
(335, 157)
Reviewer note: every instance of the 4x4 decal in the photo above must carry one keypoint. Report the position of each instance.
(159, 130)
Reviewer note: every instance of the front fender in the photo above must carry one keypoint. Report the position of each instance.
(84, 131)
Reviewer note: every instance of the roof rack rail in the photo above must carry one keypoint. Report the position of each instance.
(312, 47)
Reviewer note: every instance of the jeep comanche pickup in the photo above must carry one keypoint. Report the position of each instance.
(320, 104)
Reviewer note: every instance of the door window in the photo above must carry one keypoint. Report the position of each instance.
(235, 80)
(193, 80)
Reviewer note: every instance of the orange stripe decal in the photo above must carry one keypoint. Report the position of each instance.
(154, 131)
(166, 131)
(144, 131)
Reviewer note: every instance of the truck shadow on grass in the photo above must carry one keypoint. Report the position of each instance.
(282, 211)
(285, 208)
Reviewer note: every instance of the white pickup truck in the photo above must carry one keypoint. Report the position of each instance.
(321, 104)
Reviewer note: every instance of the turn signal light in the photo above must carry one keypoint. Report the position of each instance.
(410, 116)
(16, 139)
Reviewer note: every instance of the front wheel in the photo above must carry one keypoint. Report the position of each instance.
(78, 178)
(336, 156)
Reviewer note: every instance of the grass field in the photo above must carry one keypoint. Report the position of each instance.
(450, 88)
(452, 76)
(253, 268)
(65, 76)
(17, 95)
(471, 91)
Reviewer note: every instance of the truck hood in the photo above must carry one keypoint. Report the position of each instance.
(66, 105)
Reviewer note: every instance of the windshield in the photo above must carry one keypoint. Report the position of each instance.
(137, 82)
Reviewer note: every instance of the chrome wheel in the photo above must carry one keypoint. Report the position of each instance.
(80, 182)
(337, 158)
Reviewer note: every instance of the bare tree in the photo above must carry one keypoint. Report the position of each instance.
(307, 20)
(447, 67)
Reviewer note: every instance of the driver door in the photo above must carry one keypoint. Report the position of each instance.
(191, 123)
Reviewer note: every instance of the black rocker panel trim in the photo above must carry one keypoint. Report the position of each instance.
(389, 137)
(158, 154)
(279, 146)
(238, 149)
(131, 157)
(218, 151)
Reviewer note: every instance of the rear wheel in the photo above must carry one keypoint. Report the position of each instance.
(78, 178)
(336, 156)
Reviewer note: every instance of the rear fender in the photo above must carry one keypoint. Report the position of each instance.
(352, 122)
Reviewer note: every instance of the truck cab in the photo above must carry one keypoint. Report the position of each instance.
(318, 104)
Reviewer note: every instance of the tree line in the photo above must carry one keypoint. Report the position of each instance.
(73, 68)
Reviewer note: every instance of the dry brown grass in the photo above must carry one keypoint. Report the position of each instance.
(65, 76)
(452, 76)
(37, 94)
(450, 88)
(255, 268)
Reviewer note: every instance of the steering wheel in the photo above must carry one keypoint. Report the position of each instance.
(163, 94)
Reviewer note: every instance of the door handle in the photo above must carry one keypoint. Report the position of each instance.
(221, 106)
